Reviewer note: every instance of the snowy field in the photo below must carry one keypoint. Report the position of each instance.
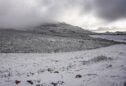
(98, 67)
(119, 38)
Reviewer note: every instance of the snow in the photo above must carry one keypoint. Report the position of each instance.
(62, 68)
(119, 38)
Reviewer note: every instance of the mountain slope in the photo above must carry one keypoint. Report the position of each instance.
(49, 38)
(62, 30)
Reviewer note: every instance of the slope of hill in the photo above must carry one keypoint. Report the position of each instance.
(62, 30)
(49, 38)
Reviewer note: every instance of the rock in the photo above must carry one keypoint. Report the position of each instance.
(78, 76)
(30, 82)
(17, 82)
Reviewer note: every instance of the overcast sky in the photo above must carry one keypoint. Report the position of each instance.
(89, 14)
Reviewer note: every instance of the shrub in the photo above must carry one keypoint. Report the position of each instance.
(97, 59)
(101, 58)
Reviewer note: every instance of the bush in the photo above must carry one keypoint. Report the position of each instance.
(101, 58)
(97, 59)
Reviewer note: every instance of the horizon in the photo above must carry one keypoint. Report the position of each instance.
(102, 29)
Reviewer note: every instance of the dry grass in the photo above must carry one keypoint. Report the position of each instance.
(12, 41)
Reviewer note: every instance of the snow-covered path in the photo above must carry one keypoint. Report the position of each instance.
(82, 68)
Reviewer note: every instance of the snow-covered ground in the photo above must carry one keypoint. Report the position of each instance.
(98, 67)
(119, 38)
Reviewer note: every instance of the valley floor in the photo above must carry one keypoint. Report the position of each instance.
(98, 67)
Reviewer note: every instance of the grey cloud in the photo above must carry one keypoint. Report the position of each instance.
(20, 13)
(106, 9)
(110, 9)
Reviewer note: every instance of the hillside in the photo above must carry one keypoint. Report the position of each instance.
(62, 30)
(49, 38)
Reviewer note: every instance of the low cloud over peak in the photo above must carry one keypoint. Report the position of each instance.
(85, 13)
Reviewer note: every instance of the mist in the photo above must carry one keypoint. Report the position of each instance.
(84, 13)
